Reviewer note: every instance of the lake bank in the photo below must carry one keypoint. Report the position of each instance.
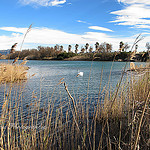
(70, 56)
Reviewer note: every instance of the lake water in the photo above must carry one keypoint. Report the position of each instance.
(45, 84)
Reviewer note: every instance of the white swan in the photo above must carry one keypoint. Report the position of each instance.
(79, 74)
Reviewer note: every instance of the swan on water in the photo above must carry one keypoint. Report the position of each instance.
(79, 74)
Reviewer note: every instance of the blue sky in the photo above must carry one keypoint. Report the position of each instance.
(66, 22)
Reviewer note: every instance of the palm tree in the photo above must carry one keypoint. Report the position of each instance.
(76, 48)
(121, 46)
(136, 47)
(86, 46)
(69, 48)
(96, 46)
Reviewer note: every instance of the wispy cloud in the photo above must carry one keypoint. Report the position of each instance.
(43, 2)
(81, 21)
(100, 28)
(136, 13)
(147, 2)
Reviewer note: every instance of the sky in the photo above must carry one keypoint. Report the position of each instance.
(73, 22)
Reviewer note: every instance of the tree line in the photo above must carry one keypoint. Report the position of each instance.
(102, 51)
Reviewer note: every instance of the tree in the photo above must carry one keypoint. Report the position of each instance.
(90, 49)
(136, 47)
(121, 46)
(86, 46)
(56, 47)
(82, 50)
(96, 46)
(108, 47)
(69, 48)
(126, 46)
(105, 47)
(61, 48)
(76, 48)
(147, 46)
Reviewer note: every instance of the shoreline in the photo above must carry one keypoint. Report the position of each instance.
(54, 59)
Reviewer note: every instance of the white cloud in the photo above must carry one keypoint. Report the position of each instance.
(147, 2)
(143, 26)
(47, 36)
(136, 13)
(57, 2)
(43, 2)
(100, 28)
(80, 21)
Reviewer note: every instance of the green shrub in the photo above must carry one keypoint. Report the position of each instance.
(64, 55)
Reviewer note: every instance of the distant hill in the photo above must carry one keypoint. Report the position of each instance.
(5, 52)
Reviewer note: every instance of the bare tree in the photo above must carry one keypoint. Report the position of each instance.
(90, 49)
(61, 48)
(126, 46)
(105, 47)
(56, 47)
(147, 46)
(82, 50)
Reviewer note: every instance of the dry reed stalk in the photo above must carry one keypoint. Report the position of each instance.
(28, 30)
(15, 60)
(75, 114)
(109, 141)
(138, 39)
(140, 123)
(119, 147)
(25, 58)
(73, 102)
(23, 63)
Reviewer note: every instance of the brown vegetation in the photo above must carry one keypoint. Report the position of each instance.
(13, 72)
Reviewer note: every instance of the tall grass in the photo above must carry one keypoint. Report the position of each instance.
(123, 125)
(13, 72)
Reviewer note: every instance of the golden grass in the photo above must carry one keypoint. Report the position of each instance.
(12, 72)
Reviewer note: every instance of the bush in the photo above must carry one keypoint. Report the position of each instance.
(123, 55)
(64, 55)
(105, 56)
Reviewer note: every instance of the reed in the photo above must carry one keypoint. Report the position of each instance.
(13, 72)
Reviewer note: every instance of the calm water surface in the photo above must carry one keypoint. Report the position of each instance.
(49, 73)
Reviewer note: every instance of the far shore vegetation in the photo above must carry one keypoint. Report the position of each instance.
(101, 52)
